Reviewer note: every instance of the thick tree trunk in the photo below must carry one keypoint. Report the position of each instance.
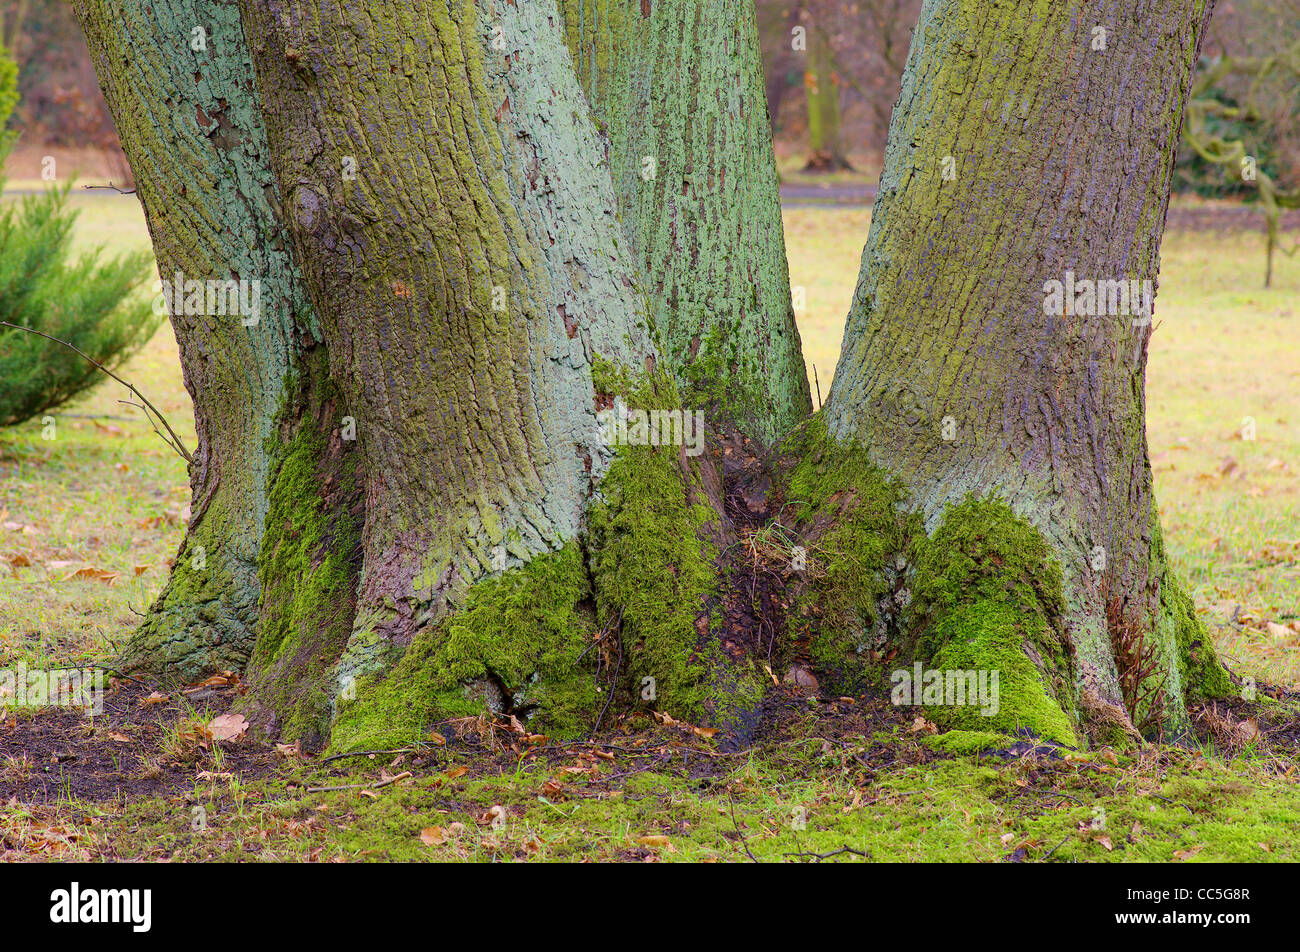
(1031, 143)
(677, 86)
(448, 196)
(178, 80)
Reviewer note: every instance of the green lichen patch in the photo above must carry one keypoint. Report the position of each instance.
(515, 646)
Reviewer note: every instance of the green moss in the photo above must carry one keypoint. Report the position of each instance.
(858, 536)
(966, 743)
(653, 572)
(989, 636)
(1202, 674)
(308, 570)
(516, 646)
(988, 596)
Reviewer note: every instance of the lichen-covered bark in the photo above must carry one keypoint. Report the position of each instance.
(467, 277)
(1027, 143)
(677, 87)
(179, 82)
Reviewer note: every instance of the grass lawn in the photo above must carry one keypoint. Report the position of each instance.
(105, 493)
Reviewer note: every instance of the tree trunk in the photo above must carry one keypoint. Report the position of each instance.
(1027, 146)
(179, 83)
(461, 244)
(822, 91)
(677, 87)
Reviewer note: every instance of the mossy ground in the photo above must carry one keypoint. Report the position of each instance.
(829, 775)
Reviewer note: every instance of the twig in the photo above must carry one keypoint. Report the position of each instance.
(821, 856)
(361, 786)
(120, 191)
(743, 842)
(613, 687)
(1053, 850)
(175, 441)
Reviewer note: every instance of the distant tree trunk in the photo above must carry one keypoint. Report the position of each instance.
(1026, 149)
(677, 86)
(178, 81)
(822, 91)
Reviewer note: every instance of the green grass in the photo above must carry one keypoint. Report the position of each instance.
(105, 493)
(1174, 807)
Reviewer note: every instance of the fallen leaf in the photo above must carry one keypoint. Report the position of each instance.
(228, 726)
(653, 840)
(154, 698)
(118, 738)
(455, 772)
(1105, 841)
(1188, 854)
(433, 836)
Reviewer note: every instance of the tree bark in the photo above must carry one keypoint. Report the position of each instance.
(677, 87)
(178, 80)
(1023, 148)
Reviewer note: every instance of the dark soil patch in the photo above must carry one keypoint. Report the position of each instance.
(59, 753)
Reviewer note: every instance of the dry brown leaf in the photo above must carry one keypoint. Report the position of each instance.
(653, 839)
(154, 698)
(1188, 854)
(455, 772)
(228, 726)
(92, 574)
(433, 836)
(118, 738)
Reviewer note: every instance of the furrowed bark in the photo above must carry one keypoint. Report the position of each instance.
(677, 87)
(468, 278)
(1057, 127)
(179, 82)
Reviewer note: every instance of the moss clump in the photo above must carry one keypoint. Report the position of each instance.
(968, 743)
(989, 636)
(308, 570)
(849, 511)
(653, 571)
(988, 597)
(1200, 671)
(515, 646)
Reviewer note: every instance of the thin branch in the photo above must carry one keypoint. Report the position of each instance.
(120, 191)
(175, 441)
